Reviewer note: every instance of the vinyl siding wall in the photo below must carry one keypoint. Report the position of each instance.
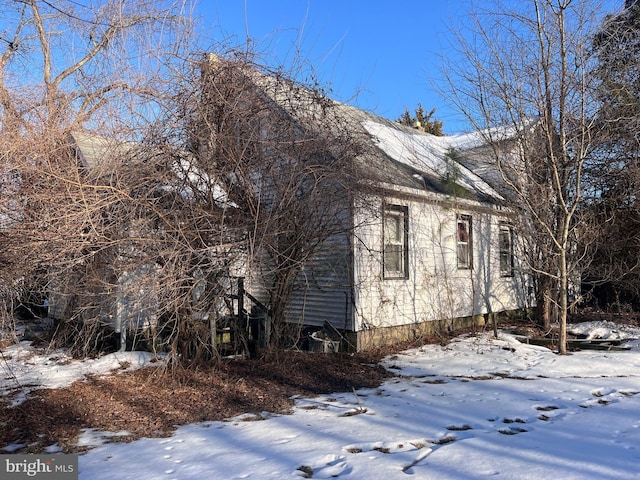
(435, 287)
(323, 289)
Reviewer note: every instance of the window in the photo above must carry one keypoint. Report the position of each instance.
(396, 235)
(464, 242)
(505, 240)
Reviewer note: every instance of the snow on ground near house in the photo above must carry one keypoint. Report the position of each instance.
(24, 368)
(475, 408)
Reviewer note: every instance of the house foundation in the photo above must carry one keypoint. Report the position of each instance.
(379, 336)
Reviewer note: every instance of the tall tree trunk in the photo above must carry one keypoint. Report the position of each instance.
(544, 303)
(562, 300)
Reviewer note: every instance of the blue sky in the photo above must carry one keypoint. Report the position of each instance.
(378, 55)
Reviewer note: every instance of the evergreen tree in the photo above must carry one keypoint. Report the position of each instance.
(424, 121)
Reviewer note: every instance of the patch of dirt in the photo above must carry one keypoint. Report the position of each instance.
(153, 401)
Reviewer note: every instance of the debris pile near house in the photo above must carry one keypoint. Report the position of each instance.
(596, 335)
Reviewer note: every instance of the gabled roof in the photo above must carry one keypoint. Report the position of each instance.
(99, 155)
(95, 150)
(394, 154)
(399, 155)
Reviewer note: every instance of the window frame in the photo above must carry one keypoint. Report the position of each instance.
(506, 256)
(465, 263)
(401, 214)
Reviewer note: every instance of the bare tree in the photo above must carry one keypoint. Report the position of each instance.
(527, 70)
(64, 67)
(285, 156)
(189, 176)
(614, 273)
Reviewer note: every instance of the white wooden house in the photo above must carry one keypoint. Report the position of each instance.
(428, 244)
(432, 247)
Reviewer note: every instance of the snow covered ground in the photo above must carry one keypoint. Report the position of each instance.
(475, 408)
(24, 368)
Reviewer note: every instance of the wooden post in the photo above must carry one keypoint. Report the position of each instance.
(240, 300)
(494, 322)
(214, 334)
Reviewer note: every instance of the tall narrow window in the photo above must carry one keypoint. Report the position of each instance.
(396, 239)
(505, 239)
(464, 242)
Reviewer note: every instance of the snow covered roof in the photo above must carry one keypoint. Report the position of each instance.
(431, 157)
(400, 155)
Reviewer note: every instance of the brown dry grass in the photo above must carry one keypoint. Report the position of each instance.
(153, 401)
